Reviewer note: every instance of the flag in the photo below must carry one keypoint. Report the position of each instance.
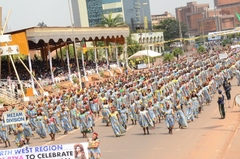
(238, 16)
(84, 47)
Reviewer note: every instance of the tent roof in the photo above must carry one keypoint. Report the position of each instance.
(38, 37)
(141, 53)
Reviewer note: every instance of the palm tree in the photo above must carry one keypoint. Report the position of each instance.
(42, 24)
(177, 52)
(110, 21)
(168, 57)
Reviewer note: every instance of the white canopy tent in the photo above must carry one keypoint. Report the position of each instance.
(148, 53)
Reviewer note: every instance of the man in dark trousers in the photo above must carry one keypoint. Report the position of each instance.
(227, 89)
(221, 104)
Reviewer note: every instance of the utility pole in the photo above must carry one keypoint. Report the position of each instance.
(1, 29)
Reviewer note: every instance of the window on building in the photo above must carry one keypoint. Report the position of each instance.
(110, 1)
(112, 10)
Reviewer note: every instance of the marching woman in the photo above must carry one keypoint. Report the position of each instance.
(151, 113)
(19, 135)
(90, 119)
(123, 116)
(66, 126)
(118, 129)
(105, 112)
(195, 104)
(73, 115)
(3, 133)
(52, 126)
(27, 131)
(189, 110)
(157, 109)
(144, 120)
(169, 118)
(180, 116)
(95, 106)
(133, 112)
(41, 129)
(84, 127)
(93, 147)
(32, 114)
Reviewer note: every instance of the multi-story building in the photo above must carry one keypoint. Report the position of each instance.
(202, 20)
(135, 13)
(159, 17)
(151, 39)
(87, 13)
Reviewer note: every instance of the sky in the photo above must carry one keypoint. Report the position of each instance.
(28, 13)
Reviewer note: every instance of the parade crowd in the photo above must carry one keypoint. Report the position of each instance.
(173, 92)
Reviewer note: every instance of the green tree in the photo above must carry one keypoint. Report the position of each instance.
(170, 28)
(133, 46)
(177, 52)
(42, 24)
(201, 49)
(110, 21)
(64, 49)
(168, 57)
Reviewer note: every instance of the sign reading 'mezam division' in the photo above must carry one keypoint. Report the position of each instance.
(14, 117)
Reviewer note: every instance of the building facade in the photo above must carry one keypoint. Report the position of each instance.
(135, 13)
(201, 20)
(87, 13)
(152, 40)
(157, 18)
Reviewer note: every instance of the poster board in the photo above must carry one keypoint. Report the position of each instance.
(14, 117)
(59, 151)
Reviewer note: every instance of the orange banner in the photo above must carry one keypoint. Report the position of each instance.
(20, 39)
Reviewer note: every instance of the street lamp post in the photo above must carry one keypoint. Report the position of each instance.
(74, 44)
(181, 36)
(145, 32)
(203, 40)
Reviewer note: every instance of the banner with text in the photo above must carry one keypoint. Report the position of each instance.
(14, 117)
(68, 151)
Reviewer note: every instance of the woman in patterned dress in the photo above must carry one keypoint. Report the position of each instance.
(19, 135)
(189, 110)
(151, 113)
(66, 126)
(105, 112)
(27, 130)
(84, 127)
(123, 116)
(169, 119)
(3, 133)
(195, 104)
(41, 129)
(133, 112)
(144, 120)
(52, 126)
(180, 116)
(118, 129)
(93, 147)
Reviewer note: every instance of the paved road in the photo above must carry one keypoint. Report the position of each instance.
(207, 137)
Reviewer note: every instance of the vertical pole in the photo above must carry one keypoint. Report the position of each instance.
(68, 64)
(125, 51)
(95, 56)
(106, 54)
(50, 62)
(10, 56)
(1, 34)
(30, 68)
(79, 73)
(83, 64)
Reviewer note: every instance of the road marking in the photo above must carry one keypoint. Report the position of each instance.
(66, 135)
(129, 128)
(158, 148)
